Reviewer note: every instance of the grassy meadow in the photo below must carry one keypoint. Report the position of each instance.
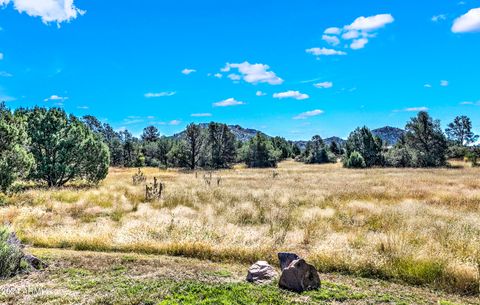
(412, 226)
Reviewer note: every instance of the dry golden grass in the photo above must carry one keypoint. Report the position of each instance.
(420, 226)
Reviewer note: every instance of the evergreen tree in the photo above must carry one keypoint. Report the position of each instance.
(64, 148)
(335, 148)
(460, 131)
(15, 160)
(150, 134)
(194, 144)
(425, 141)
(260, 152)
(363, 142)
(315, 152)
(221, 146)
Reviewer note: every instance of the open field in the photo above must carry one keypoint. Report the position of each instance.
(415, 226)
(123, 278)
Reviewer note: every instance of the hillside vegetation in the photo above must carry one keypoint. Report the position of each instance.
(417, 226)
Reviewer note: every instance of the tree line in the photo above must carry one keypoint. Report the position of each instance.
(54, 148)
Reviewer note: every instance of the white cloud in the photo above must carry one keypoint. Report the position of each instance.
(351, 35)
(371, 23)
(333, 31)
(260, 93)
(470, 22)
(254, 73)
(228, 102)
(308, 114)
(324, 85)
(218, 75)
(444, 83)
(6, 98)
(360, 29)
(333, 40)
(416, 109)
(427, 86)
(5, 74)
(55, 98)
(83, 107)
(324, 52)
(1, 56)
(159, 94)
(291, 94)
(359, 43)
(234, 77)
(200, 115)
(438, 18)
(188, 71)
(49, 10)
(174, 122)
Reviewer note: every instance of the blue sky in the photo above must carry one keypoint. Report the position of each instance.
(289, 68)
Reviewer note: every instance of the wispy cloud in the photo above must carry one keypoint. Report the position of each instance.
(228, 102)
(174, 122)
(55, 98)
(201, 115)
(253, 73)
(187, 71)
(308, 114)
(438, 18)
(83, 107)
(324, 52)
(324, 85)
(444, 83)
(260, 93)
(291, 94)
(159, 94)
(5, 74)
(6, 98)
(414, 109)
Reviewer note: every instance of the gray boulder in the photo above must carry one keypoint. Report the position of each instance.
(286, 259)
(261, 272)
(299, 276)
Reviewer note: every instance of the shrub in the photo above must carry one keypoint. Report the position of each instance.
(398, 157)
(10, 255)
(355, 160)
(362, 141)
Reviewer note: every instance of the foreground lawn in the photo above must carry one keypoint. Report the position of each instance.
(417, 226)
(121, 278)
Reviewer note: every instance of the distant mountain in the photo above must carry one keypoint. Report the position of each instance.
(241, 134)
(389, 135)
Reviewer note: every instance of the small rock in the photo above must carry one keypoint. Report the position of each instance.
(299, 276)
(286, 259)
(35, 262)
(261, 272)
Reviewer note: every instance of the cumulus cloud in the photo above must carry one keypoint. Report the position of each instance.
(360, 30)
(253, 73)
(159, 94)
(324, 52)
(444, 83)
(358, 43)
(187, 71)
(218, 75)
(201, 115)
(55, 98)
(228, 102)
(324, 85)
(333, 40)
(260, 93)
(470, 22)
(234, 77)
(48, 10)
(291, 94)
(308, 114)
(371, 23)
(333, 31)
